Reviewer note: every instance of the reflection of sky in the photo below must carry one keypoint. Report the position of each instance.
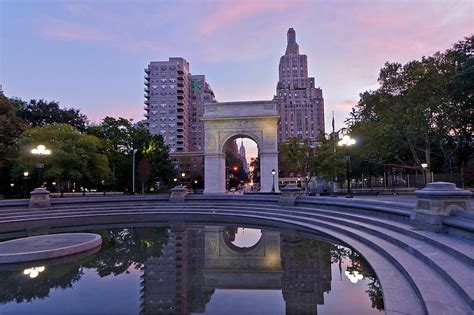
(344, 298)
(353, 296)
(90, 295)
(248, 302)
(247, 237)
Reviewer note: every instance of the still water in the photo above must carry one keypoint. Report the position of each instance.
(195, 269)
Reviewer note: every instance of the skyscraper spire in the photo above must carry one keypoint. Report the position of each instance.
(292, 47)
(291, 36)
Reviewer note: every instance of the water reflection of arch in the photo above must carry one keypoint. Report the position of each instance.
(256, 267)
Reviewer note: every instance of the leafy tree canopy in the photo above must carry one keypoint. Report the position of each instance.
(74, 156)
(41, 112)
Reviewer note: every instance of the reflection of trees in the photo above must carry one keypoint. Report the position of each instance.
(15, 286)
(126, 247)
(121, 249)
(359, 265)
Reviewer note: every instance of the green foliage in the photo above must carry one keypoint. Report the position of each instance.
(74, 156)
(40, 113)
(297, 157)
(422, 112)
(120, 138)
(328, 161)
(10, 129)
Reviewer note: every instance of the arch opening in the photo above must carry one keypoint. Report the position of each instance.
(242, 166)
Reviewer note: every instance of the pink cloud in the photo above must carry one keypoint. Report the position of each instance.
(78, 8)
(345, 105)
(232, 12)
(69, 31)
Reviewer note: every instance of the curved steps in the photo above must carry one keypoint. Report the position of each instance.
(436, 270)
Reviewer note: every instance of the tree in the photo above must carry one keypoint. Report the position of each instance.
(121, 137)
(144, 171)
(117, 135)
(75, 156)
(328, 160)
(40, 112)
(298, 158)
(10, 129)
(156, 152)
(422, 112)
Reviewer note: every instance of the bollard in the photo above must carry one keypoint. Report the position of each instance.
(39, 198)
(178, 194)
(435, 202)
(288, 195)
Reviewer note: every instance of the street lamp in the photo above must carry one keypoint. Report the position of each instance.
(41, 151)
(133, 171)
(25, 177)
(347, 142)
(273, 174)
(424, 166)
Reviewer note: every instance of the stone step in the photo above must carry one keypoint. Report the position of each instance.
(405, 302)
(127, 210)
(465, 252)
(443, 300)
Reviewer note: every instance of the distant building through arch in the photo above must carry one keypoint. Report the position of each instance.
(257, 120)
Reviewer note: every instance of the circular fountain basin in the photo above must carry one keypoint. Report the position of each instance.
(47, 246)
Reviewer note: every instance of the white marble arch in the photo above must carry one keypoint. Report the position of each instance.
(257, 120)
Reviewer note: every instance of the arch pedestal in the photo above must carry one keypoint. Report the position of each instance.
(225, 121)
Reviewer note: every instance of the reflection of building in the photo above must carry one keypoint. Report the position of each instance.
(307, 274)
(173, 282)
(197, 260)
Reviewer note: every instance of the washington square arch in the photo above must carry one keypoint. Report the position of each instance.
(257, 120)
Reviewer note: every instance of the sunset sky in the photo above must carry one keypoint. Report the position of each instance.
(91, 54)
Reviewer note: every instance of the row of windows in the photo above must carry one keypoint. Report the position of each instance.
(303, 105)
(163, 73)
(172, 118)
(170, 80)
(163, 67)
(163, 93)
(171, 86)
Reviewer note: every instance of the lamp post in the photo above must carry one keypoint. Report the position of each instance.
(347, 142)
(41, 151)
(133, 171)
(424, 166)
(183, 175)
(25, 177)
(273, 175)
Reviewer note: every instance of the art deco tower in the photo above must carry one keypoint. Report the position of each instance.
(300, 103)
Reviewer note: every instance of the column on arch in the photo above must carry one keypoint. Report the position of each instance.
(268, 162)
(214, 173)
